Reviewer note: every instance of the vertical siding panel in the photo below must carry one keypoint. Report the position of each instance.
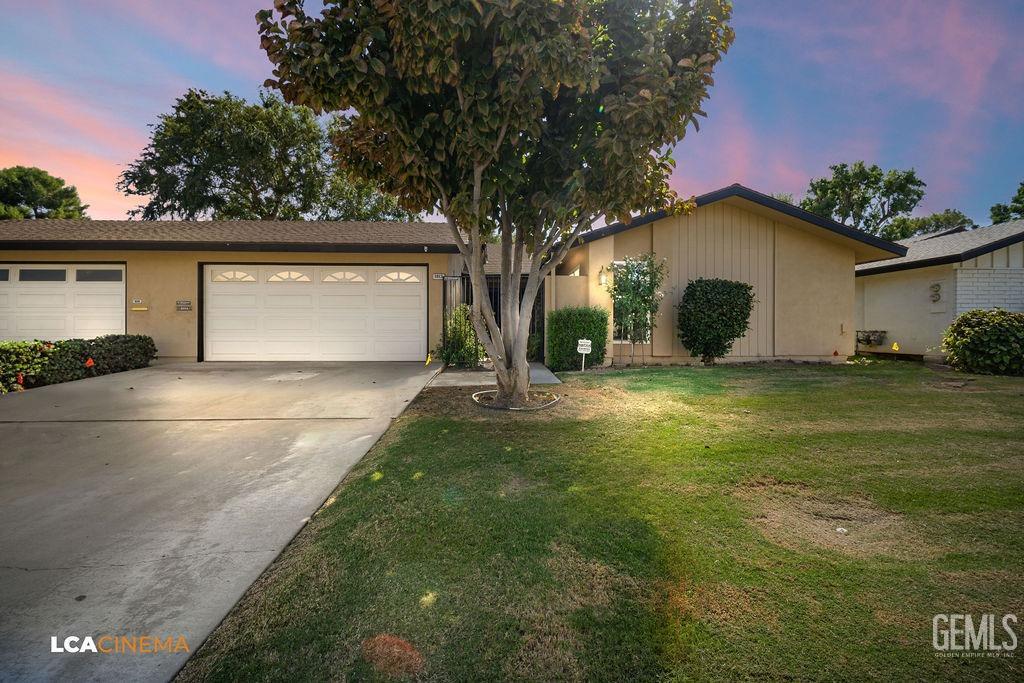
(1015, 256)
(769, 333)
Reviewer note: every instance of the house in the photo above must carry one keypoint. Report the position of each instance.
(800, 265)
(910, 301)
(295, 290)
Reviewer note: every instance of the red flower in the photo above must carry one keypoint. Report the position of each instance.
(20, 378)
(89, 362)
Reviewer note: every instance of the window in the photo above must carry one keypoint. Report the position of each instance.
(5, 274)
(233, 276)
(288, 276)
(43, 275)
(344, 276)
(99, 275)
(398, 276)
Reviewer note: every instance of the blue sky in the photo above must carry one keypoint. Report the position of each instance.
(937, 85)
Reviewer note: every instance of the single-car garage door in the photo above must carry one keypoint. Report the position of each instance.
(51, 301)
(300, 312)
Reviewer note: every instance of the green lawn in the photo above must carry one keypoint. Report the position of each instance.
(675, 524)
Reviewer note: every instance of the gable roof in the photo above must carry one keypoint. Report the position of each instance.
(952, 246)
(739, 191)
(242, 235)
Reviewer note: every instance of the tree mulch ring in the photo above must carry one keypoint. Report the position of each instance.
(536, 400)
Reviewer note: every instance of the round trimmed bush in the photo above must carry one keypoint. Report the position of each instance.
(568, 325)
(987, 342)
(713, 314)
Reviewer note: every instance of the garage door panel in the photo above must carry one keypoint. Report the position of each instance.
(345, 301)
(5, 299)
(227, 300)
(41, 300)
(113, 300)
(344, 325)
(31, 326)
(5, 325)
(290, 324)
(94, 326)
(323, 313)
(233, 323)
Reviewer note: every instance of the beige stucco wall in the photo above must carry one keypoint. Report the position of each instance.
(160, 278)
(803, 281)
(900, 303)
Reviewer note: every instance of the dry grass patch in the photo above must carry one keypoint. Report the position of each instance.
(795, 517)
(723, 604)
(550, 642)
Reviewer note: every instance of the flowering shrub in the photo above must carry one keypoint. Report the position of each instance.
(37, 363)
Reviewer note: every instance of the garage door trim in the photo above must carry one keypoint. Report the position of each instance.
(90, 262)
(201, 289)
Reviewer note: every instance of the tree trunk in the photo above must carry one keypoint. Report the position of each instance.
(513, 389)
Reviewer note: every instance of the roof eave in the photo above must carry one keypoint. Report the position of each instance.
(154, 245)
(942, 260)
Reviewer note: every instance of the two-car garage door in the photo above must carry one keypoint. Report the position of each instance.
(298, 312)
(52, 301)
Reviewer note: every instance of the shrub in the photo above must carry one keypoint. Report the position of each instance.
(39, 363)
(20, 361)
(460, 346)
(568, 325)
(713, 314)
(535, 347)
(989, 342)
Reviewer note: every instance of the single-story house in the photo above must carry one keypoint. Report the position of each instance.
(911, 300)
(296, 290)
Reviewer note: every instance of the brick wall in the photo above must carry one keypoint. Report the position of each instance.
(989, 288)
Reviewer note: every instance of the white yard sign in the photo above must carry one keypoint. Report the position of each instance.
(583, 346)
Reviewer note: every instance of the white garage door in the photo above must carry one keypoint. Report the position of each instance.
(296, 312)
(60, 301)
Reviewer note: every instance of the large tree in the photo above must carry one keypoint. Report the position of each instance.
(902, 227)
(520, 121)
(1002, 213)
(863, 196)
(29, 192)
(218, 156)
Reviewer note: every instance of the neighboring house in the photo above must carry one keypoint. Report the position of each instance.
(293, 290)
(800, 265)
(913, 299)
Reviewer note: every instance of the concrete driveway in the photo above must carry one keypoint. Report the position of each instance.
(145, 503)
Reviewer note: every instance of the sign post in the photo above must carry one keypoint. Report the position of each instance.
(583, 347)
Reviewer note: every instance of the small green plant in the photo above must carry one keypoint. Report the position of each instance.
(535, 348)
(566, 326)
(988, 342)
(20, 361)
(460, 346)
(635, 288)
(713, 314)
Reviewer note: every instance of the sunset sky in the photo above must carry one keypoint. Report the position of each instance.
(937, 85)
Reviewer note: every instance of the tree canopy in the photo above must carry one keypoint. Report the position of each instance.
(521, 122)
(1001, 213)
(865, 197)
(902, 227)
(218, 156)
(29, 192)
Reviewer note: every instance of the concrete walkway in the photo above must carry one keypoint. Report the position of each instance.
(145, 503)
(457, 377)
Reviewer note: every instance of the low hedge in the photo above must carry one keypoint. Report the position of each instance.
(566, 326)
(987, 342)
(37, 363)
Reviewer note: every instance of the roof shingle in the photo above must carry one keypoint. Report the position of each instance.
(925, 250)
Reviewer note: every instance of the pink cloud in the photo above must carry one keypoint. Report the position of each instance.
(71, 138)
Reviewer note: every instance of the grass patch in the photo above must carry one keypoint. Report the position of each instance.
(673, 524)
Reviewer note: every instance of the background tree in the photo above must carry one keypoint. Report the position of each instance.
(519, 123)
(29, 192)
(1002, 213)
(902, 227)
(784, 197)
(221, 157)
(635, 288)
(865, 197)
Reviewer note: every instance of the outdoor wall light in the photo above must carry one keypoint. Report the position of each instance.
(602, 277)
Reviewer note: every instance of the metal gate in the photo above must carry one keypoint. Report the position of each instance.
(459, 291)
